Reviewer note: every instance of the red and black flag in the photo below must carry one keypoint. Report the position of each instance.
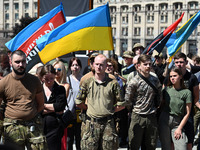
(159, 42)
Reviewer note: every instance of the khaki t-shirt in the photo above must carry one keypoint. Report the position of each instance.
(19, 96)
(101, 97)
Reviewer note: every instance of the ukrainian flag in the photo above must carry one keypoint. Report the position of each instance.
(181, 35)
(89, 31)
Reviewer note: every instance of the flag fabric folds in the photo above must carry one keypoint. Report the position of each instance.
(169, 30)
(89, 31)
(181, 35)
(25, 40)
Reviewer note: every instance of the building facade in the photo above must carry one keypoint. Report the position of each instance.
(11, 11)
(132, 21)
(141, 21)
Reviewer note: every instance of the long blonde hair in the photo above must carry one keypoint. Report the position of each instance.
(63, 71)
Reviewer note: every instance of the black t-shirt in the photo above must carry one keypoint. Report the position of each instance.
(159, 71)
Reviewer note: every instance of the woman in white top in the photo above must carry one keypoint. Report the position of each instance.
(74, 79)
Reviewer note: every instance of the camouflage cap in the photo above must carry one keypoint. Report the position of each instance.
(128, 54)
(156, 54)
(137, 45)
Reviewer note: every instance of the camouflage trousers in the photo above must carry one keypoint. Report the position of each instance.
(99, 136)
(23, 134)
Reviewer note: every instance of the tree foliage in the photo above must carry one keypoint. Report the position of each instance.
(24, 21)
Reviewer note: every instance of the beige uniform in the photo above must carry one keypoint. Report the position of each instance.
(101, 97)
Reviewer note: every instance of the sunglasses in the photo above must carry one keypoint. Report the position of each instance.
(58, 69)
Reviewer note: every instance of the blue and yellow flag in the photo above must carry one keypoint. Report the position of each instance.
(89, 31)
(181, 35)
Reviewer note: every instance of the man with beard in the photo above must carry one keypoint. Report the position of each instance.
(23, 95)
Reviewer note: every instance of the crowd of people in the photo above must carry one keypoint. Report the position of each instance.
(130, 104)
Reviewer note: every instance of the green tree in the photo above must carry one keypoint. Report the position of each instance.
(24, 21)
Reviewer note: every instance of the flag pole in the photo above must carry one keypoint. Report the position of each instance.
(38, 9)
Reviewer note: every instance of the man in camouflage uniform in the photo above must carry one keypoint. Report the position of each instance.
(24, 99)
(103, 99)
(144, 99)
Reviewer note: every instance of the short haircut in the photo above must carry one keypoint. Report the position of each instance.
(143, 58)
(101, 56)
(47, 69)
(180, 55)
(18, 52)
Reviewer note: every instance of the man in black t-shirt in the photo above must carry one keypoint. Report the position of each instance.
(191, 83)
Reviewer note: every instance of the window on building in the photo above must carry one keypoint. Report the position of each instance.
(148, 18)
(178, 6)
(35, 5)
(114, 31)
(136, 8)
(16, 16)
(176, 16)
(164, 18)
(7, 26)
(192, 47)
(5, 34)
(6, 6)
(125, 19)
(26, 14)
(7, 16)
(124, 45)
(113, 19)
(112, 9)
(35, 14)
(137, 31)
(125, 31)
(162, 29)
(150, 31)
(124, 8)
(137, 19)
(16, 5)
(26, 5)
(193, 5)
(150, 7)
(163, 6)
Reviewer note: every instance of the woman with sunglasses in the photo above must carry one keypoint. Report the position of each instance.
(61, 74)
(176, 107)
(74, 80)
(60, 78)
(55, 102)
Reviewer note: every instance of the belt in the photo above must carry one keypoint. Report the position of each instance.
(14, 121)
(103, 119)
